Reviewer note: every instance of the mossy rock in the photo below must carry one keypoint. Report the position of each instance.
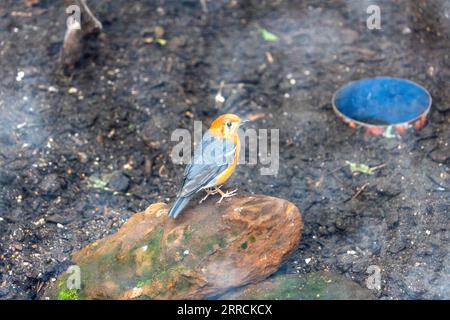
(206, 251)
(311, 286)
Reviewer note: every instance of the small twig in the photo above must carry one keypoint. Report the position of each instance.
(378, 167)
(269, 57)
(39, 286)
(339, 180)
(360, 190)
(336, 170)
(443, 188)
(219, 98)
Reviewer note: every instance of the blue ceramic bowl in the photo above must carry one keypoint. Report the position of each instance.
(383, 105)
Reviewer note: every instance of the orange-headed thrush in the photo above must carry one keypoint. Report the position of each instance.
(214, 161)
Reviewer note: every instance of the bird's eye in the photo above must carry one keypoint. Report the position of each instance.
(229, 124)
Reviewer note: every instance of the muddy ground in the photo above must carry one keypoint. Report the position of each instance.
(79, 154)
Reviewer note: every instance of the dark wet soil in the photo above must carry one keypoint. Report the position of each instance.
(79, 154)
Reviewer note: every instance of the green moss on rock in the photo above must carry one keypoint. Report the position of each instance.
(69, 294)
(208, 246)
(312, 286)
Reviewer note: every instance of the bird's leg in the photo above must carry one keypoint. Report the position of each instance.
(209, 192)
(227, 194)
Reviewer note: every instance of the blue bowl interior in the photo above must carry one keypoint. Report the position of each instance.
(382, 101)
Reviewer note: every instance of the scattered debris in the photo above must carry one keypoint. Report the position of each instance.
(21, 14)
(360, 190)
(40, 222)
(159, 32)
(20, 76)
(97, 183)
(219, 98)
(269, 57)
(30, 3)
(72, 90)
(161, 41)
(149, 40)
(52, 89)
(268, 36)
(256, 116)
(357, 168)
(440, 187)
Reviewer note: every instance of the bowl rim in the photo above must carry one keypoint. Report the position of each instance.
(365, 124)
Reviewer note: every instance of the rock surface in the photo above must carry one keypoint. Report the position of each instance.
(209, 249)
(311, 286)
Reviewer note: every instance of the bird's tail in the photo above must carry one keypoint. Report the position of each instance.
(178, 206)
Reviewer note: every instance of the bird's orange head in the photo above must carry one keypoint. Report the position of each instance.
(226, 126)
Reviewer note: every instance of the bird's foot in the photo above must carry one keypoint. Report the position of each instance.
(209, 192)
(227, 194)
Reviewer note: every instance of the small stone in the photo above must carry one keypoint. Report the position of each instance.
(397, 245)
(161, 11)
(41, 221)
(83, 157)
(441, 154)
(50, 185)
(219, 98)
(152, 132)
(119, 182)
(72, 90)
(19, 235)
(406, 30)
(149, 40)
(20, 76)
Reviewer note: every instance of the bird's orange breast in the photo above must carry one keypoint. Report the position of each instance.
(226, 174)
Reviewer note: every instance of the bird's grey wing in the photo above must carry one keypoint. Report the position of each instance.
(210, 158)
